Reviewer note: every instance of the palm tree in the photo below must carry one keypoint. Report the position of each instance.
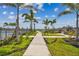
(8, 24)
(52, 22)
(74, 8)
(17, 6)
(46, 22)
(5, 24)
(13, 25)
(29, 17)
(0, 32)
(35, 21)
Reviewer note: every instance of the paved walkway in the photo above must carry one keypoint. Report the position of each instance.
(59, 36)
(37, 47)
(65, 36)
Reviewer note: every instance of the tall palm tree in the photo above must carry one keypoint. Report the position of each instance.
(52, 22)
(35, 21)
(29, 17)
(46, 22)
(0, 32)
(17, 6)
(74, 8)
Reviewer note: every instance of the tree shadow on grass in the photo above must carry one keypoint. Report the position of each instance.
(72, 42)
(52, 41)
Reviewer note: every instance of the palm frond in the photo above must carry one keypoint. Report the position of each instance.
(46, 21)
(52, 21)
(12, 4)
(35, 20)
(26, 6)
(23, 15)
(73, 6)
(70, 5)
(64, 13)
(5, 24)
(9, 4)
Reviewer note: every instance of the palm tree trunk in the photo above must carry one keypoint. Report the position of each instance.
(0, 33)
(31, 26)
(34, 26)
(46, 28)
(17, 23)
(52, 28)
(77, 25)
(5, 34)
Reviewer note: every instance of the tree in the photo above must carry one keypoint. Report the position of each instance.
(46, 23)
(52, 22)
(5, 24)
(74, 8)
(8, 24)
(29, 17)
(35, 21)
(0, 32)
(17, 6)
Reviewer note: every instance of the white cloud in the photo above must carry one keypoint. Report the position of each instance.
(34, 11)
(53, 16)
(4, 6)
(28, 3)
(56, 9)
(11, 17)
(46, 16)
(49, 3)
(67, 9)
(11, 13)
(4, 12)
(20, 8)
(40, 6)
(42, 9)
(38, 17)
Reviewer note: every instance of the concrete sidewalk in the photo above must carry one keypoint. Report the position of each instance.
(37, 47)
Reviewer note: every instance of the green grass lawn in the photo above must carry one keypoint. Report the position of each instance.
(52, 34)
(30, 33)
(13, 48)
(58, 47)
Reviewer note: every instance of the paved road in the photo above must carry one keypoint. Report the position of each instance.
(37, 47)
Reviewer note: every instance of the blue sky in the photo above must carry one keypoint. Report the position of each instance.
(46, 10)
